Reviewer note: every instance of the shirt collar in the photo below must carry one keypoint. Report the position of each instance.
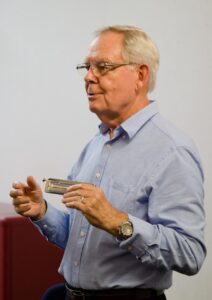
(136, 121)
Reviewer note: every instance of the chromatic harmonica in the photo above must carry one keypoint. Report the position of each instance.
(57, 186)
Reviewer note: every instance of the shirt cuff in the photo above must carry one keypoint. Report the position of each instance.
(46, 224)
(143, 237)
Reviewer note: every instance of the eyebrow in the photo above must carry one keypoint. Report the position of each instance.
(102, 59)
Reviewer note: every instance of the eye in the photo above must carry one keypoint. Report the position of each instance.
(101, 66)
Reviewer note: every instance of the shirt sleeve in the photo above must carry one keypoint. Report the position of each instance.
(54, 226)
(172, 238)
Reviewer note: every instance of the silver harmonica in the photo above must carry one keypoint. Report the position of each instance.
(57, 186)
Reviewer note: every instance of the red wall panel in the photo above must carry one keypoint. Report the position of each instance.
(28, 263)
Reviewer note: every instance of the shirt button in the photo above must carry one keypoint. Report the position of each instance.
(124, 136)
(108, 145)
(129, 248)
(76, 263)
(82, 233)
(45, 226)
(98, 175)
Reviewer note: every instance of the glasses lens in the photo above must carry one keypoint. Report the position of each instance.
(98, 69)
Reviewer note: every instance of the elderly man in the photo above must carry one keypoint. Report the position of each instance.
(140, 215)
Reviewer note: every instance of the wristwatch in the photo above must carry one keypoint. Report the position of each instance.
(125, 230)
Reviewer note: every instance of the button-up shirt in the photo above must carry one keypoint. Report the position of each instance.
(151, 171)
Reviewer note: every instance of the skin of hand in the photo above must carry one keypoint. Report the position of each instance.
(28, 199)
(92, 203)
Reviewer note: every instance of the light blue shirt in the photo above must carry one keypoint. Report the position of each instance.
(151, 171)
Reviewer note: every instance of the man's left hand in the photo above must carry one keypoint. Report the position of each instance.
(91, 201)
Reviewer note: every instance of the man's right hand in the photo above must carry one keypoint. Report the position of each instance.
(28, 199)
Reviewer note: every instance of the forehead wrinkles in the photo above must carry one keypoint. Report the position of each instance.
(106, 47)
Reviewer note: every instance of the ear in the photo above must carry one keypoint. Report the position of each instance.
(143, 73)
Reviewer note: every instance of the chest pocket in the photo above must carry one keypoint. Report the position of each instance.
(129, 199)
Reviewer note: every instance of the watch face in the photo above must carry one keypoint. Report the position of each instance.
(126, 229)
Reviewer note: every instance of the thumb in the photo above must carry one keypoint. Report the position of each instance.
(33, 185)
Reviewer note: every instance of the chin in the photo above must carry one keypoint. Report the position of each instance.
(94, 108)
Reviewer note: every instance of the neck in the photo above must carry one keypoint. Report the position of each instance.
(111, 132)
(113, 121)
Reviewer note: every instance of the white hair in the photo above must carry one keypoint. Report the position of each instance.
(138, 48)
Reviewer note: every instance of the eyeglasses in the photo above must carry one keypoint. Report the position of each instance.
(99, 68)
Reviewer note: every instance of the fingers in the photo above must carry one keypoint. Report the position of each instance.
(15, 193)
(87, 198)
(17, 189)
(79, 192)
(22, 209)
(33, 185)
(77, 202)
(18, 185)
(21, 204)
(77, 195)
(20, 201)
(81, 186)
(74, 200)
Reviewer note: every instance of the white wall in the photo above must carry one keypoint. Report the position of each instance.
(44, 120)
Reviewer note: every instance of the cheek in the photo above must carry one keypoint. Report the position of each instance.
(108, 86)
(113, 86)
(123, 88)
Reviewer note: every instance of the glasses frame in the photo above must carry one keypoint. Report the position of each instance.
(100, 68)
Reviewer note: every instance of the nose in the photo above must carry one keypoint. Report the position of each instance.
(90, 76)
